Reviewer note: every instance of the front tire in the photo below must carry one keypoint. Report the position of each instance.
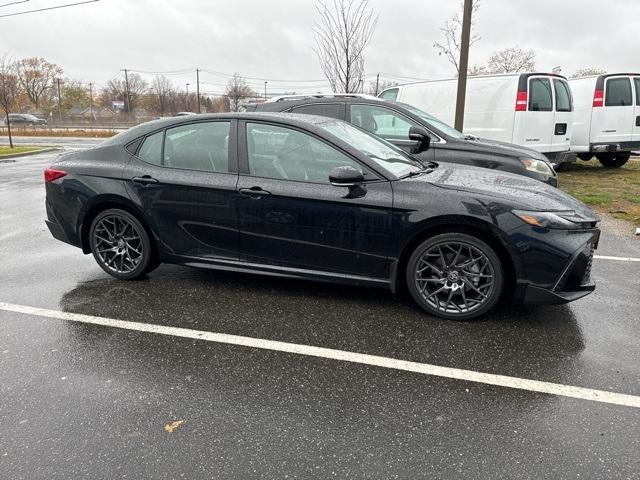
(121, 245)
(612, 159)
(455, 276)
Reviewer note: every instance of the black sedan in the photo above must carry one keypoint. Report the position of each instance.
(393, 121)
(316, 198)
(25, 119)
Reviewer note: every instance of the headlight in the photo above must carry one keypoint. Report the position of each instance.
(538, 166)
(563, 219)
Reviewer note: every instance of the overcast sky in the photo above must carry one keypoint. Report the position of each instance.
(273, 39)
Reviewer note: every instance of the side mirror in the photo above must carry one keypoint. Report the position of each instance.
(420, 135)
(345, 176)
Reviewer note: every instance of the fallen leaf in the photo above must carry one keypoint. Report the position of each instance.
(171, 426)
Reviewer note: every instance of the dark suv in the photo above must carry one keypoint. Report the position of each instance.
(395, 122)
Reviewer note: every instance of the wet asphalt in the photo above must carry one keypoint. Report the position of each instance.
(83, 401)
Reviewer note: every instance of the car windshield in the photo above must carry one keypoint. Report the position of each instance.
(436, 123)
(388, 156)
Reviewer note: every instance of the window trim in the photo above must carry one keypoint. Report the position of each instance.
(530, 97)
(243, 152)
(232, 164)
(606, 90)
(438, 138)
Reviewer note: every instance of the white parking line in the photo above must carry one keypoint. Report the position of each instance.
(342, 355)
(620, 259)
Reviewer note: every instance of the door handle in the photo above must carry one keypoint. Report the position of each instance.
(254, 192)
(144, 180)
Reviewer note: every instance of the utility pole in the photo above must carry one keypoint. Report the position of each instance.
(127, 97)
(188, 102)
(91, 101)
(59, 102)
(377, 83)
(463, 65)
(265, 89)
(198, 87)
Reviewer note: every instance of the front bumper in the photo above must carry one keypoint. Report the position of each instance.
(559, 158)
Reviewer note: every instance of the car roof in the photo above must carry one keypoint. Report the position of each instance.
(287, 104)
(309, 122)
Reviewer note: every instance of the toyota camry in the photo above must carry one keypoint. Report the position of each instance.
(317, 198)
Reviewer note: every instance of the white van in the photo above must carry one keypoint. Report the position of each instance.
(529, 109)
(606, 120)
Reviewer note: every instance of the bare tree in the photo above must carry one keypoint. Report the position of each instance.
(116, 89)
(9, 90)
(36, 77)
(512, 60)
(162, 89)
(382, 85)
(588, 71)
(237, 90)
(341, 34)
(452, 32)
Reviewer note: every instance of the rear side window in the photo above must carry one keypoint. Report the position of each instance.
(563, 97)
(540, 99)
(637, 82)
(151, 149)
(391, 94)
(333, 110)
(618, 92)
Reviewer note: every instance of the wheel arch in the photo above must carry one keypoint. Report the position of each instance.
(105, 202)
(486, 231)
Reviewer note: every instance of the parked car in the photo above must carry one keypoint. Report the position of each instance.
(529, 109)
(393, 121)
(606, 121)
(25, 119)
(316, 198)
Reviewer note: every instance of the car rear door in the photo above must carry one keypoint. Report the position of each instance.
(534, 127)
(613, 122)
(184, 178)
(291, 216)
(636, 115)
(563, 115)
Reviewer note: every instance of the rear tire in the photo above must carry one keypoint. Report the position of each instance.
(455, 276)
(121, 245)
(585, 156)
(613, 159)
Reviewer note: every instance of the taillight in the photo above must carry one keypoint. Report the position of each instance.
(521, 102)
(598, 98)
(51, 174)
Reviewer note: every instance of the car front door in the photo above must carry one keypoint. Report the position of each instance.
(291, 216)
(390, 125)
(184, 178)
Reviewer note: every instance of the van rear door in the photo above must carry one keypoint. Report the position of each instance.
(534, 119)
(563, 115)
(636, 115)
(612, 120)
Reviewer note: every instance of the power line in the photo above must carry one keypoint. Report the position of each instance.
(49, 8)
(13, 3)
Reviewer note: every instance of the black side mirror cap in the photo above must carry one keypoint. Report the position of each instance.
(420, 135)
(345, 176)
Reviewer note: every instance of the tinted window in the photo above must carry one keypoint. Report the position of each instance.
(563, 97)
(151, 149)
(618, 92)
(198, 146)
(381, 121)
(637, 82)
(287, 154)
(391, 94)
(333, 110)
(540, 99)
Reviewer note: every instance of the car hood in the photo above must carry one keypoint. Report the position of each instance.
(520, 191)
(495, 146)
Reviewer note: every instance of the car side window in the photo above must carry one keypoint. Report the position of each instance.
(151, 149)
(636, 80)
(391, 94)
(618, 92)
(540, 99)
(563, 98)
(287, 154)
(202, 146)
(381, 121)
(333, 110)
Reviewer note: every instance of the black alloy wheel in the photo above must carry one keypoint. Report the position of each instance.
(121, 245)
(455, 276)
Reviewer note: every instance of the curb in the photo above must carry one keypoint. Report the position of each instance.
(26, 154)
